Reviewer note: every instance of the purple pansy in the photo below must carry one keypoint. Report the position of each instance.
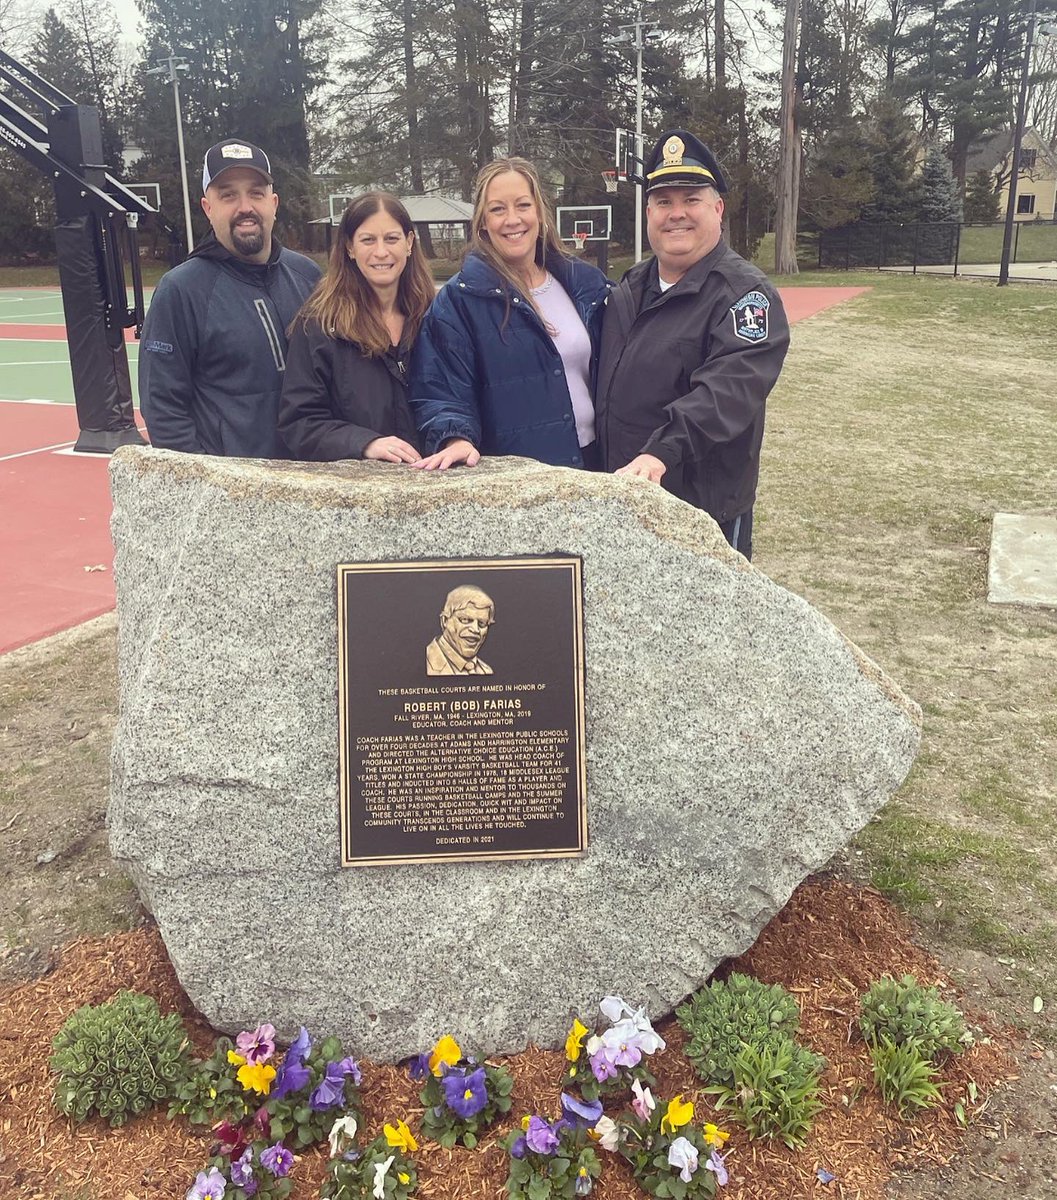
(576, 1110)
(518, 1147)
(330, 1090)
(277, 1159)
(601, 1066)
(258, 1046)
(293, 1075)
(540, 1137)
(242, 1169)
(464, 1093)
(714, 1164)
(351, 1067)
(208, 1185)
(418, 1066)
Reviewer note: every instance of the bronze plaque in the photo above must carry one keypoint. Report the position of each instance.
(461, 705)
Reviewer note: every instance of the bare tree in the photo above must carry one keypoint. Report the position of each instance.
(788, 189)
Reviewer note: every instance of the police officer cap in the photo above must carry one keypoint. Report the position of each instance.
(681, 160)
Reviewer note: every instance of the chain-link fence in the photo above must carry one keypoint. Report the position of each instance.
(944, 248)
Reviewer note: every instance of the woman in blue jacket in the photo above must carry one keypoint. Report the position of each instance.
(505, 359)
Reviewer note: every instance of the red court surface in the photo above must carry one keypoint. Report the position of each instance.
(55, 540)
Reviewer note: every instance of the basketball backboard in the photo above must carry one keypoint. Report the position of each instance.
(149, 192)
(627, 157)
(592, 222)
(337, 204)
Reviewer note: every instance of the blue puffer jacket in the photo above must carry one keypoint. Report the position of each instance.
(503, 389)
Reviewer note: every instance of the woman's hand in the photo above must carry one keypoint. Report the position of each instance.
(458, 450)
(392, 449)
(646, 466)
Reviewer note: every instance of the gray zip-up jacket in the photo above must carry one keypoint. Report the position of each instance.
(213, 351)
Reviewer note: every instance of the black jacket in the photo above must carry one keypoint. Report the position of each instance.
(685, 377)
(213, 350)
(335, 399)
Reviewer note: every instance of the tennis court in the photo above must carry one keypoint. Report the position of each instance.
(55, 539)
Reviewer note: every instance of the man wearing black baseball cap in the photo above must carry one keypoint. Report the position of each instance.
(692, 344)
(213, 348)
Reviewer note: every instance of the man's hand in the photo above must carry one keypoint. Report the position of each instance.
(391, 449)
(646, 466)
(458, 450)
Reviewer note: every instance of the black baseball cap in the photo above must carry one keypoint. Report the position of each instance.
(234, 153)
(681, 160)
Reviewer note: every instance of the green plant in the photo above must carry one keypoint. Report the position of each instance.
(904, 1075)
(211, 1091)
(562, 1169)
(385, 1167)
(906, 1013)
(774, 1090)
(724, 1017)
(118, 1058)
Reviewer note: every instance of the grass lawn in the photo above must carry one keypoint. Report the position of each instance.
(902, 422)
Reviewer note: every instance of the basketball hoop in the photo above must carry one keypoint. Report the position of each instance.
(581, 241)
(609, 178)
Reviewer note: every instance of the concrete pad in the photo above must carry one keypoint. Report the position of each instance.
(1023, 563)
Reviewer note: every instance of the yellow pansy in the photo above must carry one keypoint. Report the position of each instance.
(525, 1123)
(446, 1051)
(715, 1136)
(575, 1040)
(678, 1114)
(405, 1179)
(256, 1077)
(400, 1136)
(236, 1060)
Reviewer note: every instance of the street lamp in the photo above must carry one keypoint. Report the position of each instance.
(637, 34)
(1018, 134)
(170, 68)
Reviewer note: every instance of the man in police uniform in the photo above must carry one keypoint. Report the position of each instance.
(213, 348)
(693, 342)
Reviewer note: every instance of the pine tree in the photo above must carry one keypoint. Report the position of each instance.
(891, 146)
(939, 209)
(981, 201)
(937, 198)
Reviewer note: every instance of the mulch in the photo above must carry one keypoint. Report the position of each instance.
(827, 946)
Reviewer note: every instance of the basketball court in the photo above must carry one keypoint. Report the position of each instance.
(55, 540)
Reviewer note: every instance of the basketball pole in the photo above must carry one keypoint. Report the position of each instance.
(637, 34)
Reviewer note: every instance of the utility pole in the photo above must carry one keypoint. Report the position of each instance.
(170, 68)
(1018, 137)
(638, 34)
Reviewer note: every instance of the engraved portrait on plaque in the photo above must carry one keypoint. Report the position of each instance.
(464, 621)
(444, 756)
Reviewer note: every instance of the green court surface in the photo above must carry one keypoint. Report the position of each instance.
(34, 357)
(34, 306)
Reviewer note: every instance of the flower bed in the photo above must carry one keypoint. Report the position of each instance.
(827, 947)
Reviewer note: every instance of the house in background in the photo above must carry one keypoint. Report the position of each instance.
(1036, 182)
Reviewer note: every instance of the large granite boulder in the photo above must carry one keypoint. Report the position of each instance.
(735, 741)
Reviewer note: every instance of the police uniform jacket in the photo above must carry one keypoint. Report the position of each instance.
(213, 350)
(336, 399)
(685, 377)
(484, 367)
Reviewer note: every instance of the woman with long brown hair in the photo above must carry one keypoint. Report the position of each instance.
(505, 360)
(345, 390)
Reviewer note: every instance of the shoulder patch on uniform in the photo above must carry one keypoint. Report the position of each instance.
(158, 347)
(750, 317)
